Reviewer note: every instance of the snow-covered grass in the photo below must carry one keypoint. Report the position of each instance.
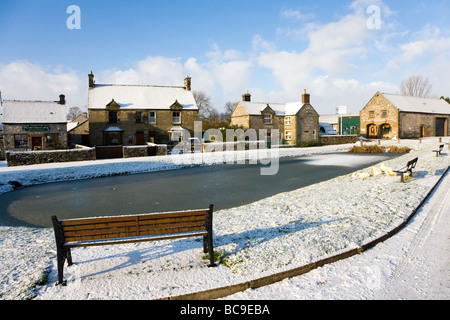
(279, 233)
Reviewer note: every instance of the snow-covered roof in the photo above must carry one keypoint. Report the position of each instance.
(140, 97)
(280, 109)
(20, 111)
(415, 104)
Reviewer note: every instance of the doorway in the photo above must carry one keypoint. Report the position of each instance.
(140, 138)
(441, 127)
(372, 131)
(36, 143)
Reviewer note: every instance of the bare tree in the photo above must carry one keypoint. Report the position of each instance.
(416, 86)
(73, 113)
(205, 107)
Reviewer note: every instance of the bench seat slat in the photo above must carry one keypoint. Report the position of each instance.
(130, 227)
(132, 232)
(92, 243)
(145, 223)
(81, 221)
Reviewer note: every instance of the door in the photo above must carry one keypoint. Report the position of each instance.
(140, 138)
(440, 127)
(36, 143)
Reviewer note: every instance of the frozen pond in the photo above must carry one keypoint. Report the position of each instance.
(225, 186)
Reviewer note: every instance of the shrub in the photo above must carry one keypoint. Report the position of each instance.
(378, 149)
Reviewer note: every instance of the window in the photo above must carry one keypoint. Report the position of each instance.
(139, 117)
(267, 118)
(288, 135)
(52, 140)
(287, 121)
(113, 117)
(384, 113)
(20, 141)
(152, 117)
(176, 117)
(371, 114)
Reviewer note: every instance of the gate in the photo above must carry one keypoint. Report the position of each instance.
(108, 152)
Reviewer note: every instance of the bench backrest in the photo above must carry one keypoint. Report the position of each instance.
(412, 164)
(101, 228)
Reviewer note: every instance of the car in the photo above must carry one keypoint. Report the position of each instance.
(325, 129)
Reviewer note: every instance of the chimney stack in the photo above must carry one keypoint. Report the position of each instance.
(305, 97)
(246, 97)
(187, 83)
(91, 80)
(62, 99)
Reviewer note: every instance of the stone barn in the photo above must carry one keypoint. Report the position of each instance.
(388, 116)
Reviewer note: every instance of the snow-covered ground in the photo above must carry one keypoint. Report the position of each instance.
(272, 235)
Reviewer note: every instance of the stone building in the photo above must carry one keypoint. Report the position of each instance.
(388, 116)
(136, 114)
(34, 125)
(296, 122)
(78, 130)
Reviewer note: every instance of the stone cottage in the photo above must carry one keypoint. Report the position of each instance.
(78, 130)
(136, 114)
(388, 116)
(296, 122)
(34, 125)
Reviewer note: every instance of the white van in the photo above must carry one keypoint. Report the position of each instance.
(325, 129)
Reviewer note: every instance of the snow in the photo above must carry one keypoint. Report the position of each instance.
(270, 236)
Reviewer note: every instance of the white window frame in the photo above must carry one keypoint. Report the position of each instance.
(287, 120)
(150, 118)
(288, 135)
(174, 117)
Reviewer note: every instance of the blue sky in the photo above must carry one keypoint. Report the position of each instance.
(274, 49)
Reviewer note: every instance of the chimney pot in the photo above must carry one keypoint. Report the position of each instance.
(91, 79)
(187, 83)
(62, 99)
(305, 97)
(246, 96)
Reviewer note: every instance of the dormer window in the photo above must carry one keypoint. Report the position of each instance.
(267, 118)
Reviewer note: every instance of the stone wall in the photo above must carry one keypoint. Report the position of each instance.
(335, 139)
(144, 151)
(378, 112)
(23, 158)
(308, 125)
(57, 130)
(126, 120)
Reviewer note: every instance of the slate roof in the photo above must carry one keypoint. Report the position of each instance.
(21, 111)
(140, 97)
(280, 109)
(419, 105)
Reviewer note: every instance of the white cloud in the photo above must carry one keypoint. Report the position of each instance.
(296, 15)
(23, 80)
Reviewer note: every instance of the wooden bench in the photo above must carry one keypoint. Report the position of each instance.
(438, 151)
(85, 232)
(408, 168)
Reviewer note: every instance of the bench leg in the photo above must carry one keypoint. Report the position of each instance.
(61, 256)
(403, 177)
